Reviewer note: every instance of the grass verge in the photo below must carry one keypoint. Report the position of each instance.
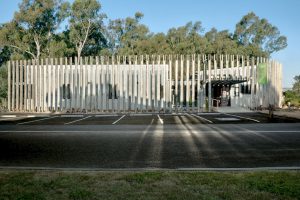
(149, 185)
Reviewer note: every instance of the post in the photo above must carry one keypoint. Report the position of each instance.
(187, 86)
(33, 83)
(21, 85)
(198, 84)
(48, 84)
(170, 94)
(209, 85)
(17, 85)
(165, 76)
(9, 85)
(60, 84)
(57, 85)
(252, 83)
(193, 83)
(77, 84)
(38, 85)
(141, 83)
(97, 83)
(221, 66)
(158, 68)
(181, 82)
(65, 83)
(204, 81)
(120, 84)
(153, 84)
(107, 82)
(42, 84)
(25, 84)
(102, 84)
(125, 86)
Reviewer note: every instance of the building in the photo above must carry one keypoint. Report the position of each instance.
(143, 83)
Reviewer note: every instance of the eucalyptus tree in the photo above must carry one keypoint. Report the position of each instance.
(86, 26)
(32, 28)
(222, 42)
(127, 34)
(186, 39)
(259, 33)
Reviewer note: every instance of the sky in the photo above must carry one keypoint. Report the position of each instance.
(160, 15)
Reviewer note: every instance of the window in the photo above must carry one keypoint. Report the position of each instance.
(245, 89)
(66, 91)
(110, 92)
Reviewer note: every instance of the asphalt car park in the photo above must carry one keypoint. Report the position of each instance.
(147, 119)
(182, 140)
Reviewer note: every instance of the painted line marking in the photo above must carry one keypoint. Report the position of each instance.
(160, 119)
(71, 115)
(202, 118)
(213, 113)
(77, 120)
(8, 116)
(241, 117)
(141, 114)
(227, 119)
(105, 115)
(37, 120)
(118, 119)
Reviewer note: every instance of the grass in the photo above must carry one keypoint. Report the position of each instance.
(149, 185)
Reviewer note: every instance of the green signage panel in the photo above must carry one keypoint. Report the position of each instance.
(262, 73)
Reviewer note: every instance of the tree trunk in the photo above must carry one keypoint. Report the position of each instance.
(78, 54)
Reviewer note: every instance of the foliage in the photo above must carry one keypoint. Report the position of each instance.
(292, 97)
(4, 55)
(296, 85)
(128, 35)
(259, 33)
(3, 84)
(86, 27)
(35, 32)
(31, 30)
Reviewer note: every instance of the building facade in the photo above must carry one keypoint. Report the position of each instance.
(191, 83)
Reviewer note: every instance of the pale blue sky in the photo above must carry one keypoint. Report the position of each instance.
(221, 14)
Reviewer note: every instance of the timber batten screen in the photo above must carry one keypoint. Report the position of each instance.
(118, 84)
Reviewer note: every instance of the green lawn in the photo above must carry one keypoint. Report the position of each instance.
(149, 185)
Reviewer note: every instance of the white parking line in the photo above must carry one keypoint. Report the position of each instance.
(8, 116)
(37, 120)
(202, 118)
(71, 115)
(160, 119)
(241, 117)
(206, 113)
(77, 120)
(118, 119)
(105, 115)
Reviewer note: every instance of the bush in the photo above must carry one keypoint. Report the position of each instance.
(3, 86)
(293, 97)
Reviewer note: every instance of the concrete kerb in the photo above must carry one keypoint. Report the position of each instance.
(284, 113)
(291, 168)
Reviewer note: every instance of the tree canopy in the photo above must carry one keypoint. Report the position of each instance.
(35, 31)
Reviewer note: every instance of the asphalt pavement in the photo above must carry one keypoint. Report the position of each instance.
(149, 141)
